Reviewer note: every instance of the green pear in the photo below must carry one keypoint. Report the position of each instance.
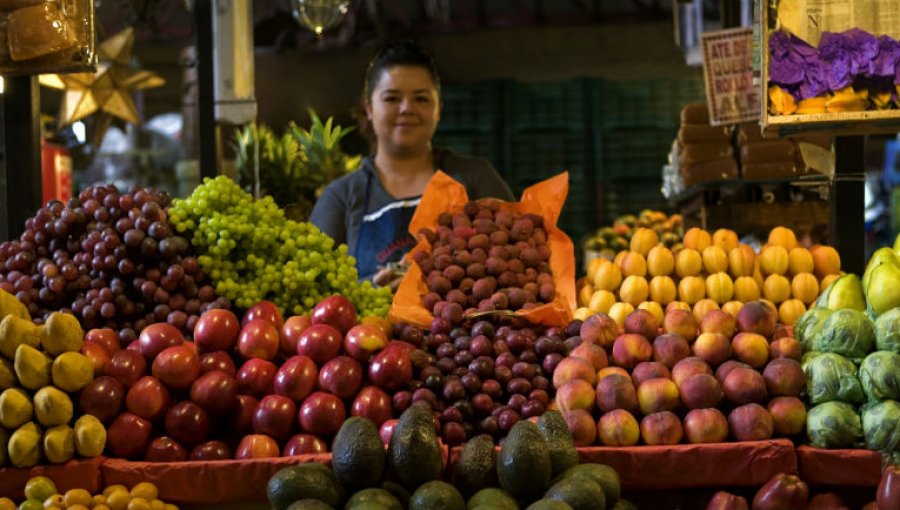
(881, 256)
(90, 436)
(883, 290)
(7, 374)
(845, 292)
(15, 331)
(15, 408)
(4, 440)
(59, 444)
(32, 367)
(71, 371)
(62, 333)
(52, 407)
(24, 446)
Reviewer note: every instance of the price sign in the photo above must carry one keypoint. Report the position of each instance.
(728, 74)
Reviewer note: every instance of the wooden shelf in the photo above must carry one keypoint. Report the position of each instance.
(835, 124)
(838, 124)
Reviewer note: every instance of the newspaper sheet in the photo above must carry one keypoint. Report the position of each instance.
(807, 19)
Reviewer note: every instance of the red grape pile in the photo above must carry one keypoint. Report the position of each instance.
(110, 258)
(486, 378)
(485, 258)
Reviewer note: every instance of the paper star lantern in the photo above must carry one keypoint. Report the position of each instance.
(109, 90)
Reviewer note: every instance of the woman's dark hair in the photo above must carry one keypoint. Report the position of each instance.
(403, 52)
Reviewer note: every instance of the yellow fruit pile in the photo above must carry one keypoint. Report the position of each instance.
(41, 493)
(709, 271)
(606, 241)
(40, 367)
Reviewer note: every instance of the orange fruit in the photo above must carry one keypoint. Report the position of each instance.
(719, 287)
(634, 290)
(662, 290)
(660, 261)
(633, 264)
(746, 289)
(826, 261)
(800, 260)
(805, 288)
(643, 240)
(697, 239)
(784, 237)
(715, 259)
(790, 311)
(773, 259)
(725, 239)
(702, 307)
(777, 288)
(607, 277)
(688, 262)
(741, 260)
(78, 497)
(691, 289)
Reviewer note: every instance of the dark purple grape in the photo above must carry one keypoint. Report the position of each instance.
(458, 332)
(482, 404)
(463, 358)
(523, 369)
(465, 408)
(516, 401)
(483, 328)
(539, 396)
(571, 343)
(500, 346)
(507, 419)
(451, 414)
(462, 343)
(434, 383)
(440, 325)
(518, 385)
(546, 345)
(430, 371)
(503, 374)
(493, 388)
(401, 401)
(507, 359)
(471, 382)
(446, 350)
(574, 328)
(481, 346)
(550, 362)
(528, 356)
(424, 395)
(447, 365)
(482, 366)
(454, 390)
(454, 434)
(517, 342)
(490, 426)
(532, 408)
(540, 382)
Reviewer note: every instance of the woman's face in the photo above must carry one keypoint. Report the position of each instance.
(404, 109)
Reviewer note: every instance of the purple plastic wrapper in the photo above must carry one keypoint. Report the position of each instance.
(885, 63)
(847, 55)
(795, 66)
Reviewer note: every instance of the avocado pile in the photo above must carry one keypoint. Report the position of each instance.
(536, 468)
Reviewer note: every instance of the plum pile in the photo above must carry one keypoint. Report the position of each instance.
(110, 258)
(485, 258)
(484, 378)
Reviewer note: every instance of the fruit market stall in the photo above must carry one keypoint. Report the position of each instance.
(142, 343)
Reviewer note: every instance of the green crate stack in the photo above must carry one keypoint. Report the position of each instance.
(633, 153)
(553, 106)
(472, 121)
(534, 157)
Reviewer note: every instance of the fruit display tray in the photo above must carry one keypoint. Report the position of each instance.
(644, 468)
(75, 474)
(844, 468)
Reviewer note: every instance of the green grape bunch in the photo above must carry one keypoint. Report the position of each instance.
(253, 253)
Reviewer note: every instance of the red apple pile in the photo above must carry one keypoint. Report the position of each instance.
(682, 381)
(485, 257)
(259, 387)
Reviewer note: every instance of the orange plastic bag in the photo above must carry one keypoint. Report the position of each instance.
(545, 199)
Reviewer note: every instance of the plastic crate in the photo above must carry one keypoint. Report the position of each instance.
(644, 103)
(633, 153)
(532, 157)
(483, 145)
(564, 105)
(474, 107)
(616, 199)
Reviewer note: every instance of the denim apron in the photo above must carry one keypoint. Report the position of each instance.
(383, 234)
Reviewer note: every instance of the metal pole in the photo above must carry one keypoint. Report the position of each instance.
(203, 13)
(20, 154)
(847, 233)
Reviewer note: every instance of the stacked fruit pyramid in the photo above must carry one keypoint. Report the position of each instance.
(699, 382)
(710, 271)
(41, 368)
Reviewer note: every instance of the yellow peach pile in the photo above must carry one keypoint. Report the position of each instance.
(709, 272)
